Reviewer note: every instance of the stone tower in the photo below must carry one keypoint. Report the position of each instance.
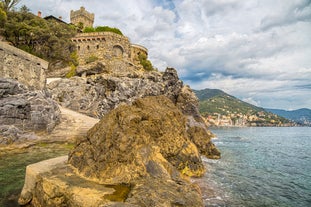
(83, 17)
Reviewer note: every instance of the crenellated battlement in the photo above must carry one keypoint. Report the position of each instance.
(82, 16)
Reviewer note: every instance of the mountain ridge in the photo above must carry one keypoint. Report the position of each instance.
(301, 116)
(222, 109)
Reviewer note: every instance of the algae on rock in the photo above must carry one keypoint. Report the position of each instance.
(118, 148)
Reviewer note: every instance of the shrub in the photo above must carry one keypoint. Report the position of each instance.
(91, 59)
(74, 59)
(102, 29)
(88, 29)
(72, 71)
(108, 29)
(144, 62)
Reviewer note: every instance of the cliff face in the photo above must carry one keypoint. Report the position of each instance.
(22, 110)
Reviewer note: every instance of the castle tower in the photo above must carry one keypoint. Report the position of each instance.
(82, 17)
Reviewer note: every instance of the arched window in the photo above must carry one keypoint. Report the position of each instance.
(118, 51)
(88, 47)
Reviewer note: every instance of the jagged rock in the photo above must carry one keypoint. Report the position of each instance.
(10, 134)
(137, 155)
(98, 94)
(117, 149)
(24, 109)
(91, 69)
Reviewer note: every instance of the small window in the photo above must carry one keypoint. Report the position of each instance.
(97, 46)
(88, 47)
(78, 47)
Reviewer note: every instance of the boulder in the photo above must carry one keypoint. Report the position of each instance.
(25, 110)
(123, 145)
(137, 155)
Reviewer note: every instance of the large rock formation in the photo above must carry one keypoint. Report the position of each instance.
(132, 139)
(22, 110)
(98, 94)
(137, 155)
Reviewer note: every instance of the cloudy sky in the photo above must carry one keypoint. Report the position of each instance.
(256, 50)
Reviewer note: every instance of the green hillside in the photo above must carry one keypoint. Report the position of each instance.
(220, 107)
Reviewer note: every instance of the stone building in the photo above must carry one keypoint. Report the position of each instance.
(83, 17)
(104, 46)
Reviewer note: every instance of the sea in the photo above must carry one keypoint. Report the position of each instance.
(260, 166)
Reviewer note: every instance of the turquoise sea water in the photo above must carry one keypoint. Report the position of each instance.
(261, 167)
(13, 168)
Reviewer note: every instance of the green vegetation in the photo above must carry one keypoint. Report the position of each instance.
(8, 5)
(72, 71)
(91, 59)
(145, 62)
(102, 29)
(49, 40)
(3, 16)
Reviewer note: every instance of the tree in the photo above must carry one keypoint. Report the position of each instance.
(9, 4)
(24, 9)
(3, 16)
(47, 39)
(144, 62)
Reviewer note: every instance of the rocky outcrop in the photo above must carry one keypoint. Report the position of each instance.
(129, 139)
(54, 183)
(96, 95)
(137, 155)
(24, 110)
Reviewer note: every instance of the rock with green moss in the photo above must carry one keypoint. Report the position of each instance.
(137, 155)
(149, 134)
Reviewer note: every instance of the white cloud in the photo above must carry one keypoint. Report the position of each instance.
(251, 49)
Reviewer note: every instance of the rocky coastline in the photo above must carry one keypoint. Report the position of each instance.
(147, 145)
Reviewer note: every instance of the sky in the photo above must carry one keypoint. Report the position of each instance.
(256, 50)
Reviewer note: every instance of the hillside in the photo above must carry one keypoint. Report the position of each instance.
(301, 116)
(220, 108)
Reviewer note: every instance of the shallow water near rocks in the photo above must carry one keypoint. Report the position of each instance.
(13, 168)
(259, 167)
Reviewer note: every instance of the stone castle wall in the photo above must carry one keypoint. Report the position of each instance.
(136, 50)
(106, 46)
(22, 66)
(83, 16)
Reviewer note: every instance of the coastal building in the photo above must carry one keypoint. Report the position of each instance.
(82, 18)
(104, 46)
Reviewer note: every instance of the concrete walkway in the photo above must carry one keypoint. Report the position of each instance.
(73, 125)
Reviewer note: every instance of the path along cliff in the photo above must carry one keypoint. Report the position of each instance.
(73, 125)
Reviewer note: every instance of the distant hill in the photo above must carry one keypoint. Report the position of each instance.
(301, 116)
(220, 108)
